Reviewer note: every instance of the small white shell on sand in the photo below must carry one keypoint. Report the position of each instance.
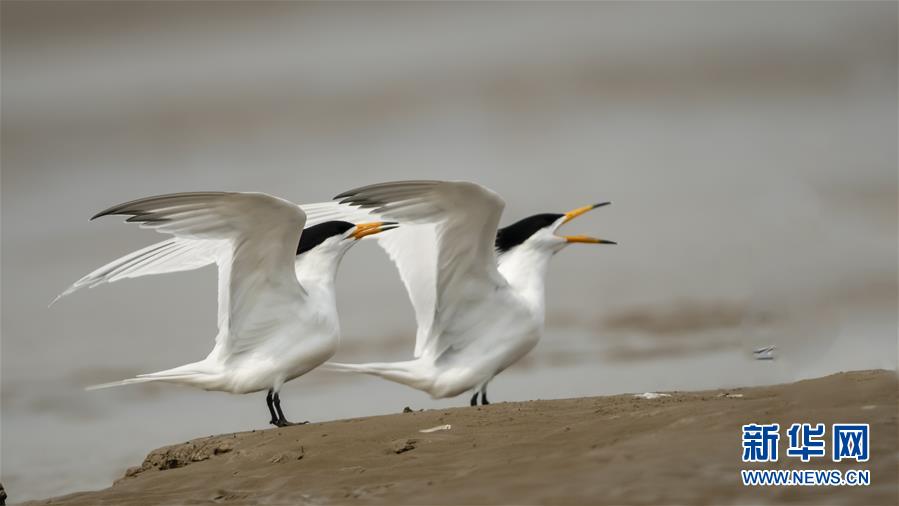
(435, 429)
(651, 395)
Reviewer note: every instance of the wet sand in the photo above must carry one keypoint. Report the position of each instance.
(682, 449)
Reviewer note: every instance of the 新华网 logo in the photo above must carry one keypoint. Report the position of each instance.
(848, 441)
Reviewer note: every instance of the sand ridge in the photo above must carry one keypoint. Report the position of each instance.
(620, 449)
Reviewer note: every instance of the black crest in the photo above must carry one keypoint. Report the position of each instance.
(316, 234)
(518, 232)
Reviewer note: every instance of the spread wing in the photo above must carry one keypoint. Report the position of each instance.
(176, 254)
(253, 238)
(321, 212)
(444, 250)
(172, 255)
(179, 254)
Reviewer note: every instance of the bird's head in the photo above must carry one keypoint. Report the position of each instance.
(336, 237)
(538, 232)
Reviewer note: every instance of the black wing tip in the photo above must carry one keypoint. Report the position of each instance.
(105, 212)
(117, 209)
(409, 182)
(344, 195)
(123, 208)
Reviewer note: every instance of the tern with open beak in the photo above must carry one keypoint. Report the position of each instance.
(477, 291)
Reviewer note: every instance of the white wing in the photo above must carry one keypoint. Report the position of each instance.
(180, 254)
(413, 248)
(171, 255)
(444, 250)
(258, 236)
(321, 212)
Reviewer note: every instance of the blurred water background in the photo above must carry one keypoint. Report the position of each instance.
(750, 149)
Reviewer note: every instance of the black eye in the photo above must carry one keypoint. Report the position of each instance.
(317, 234)
(519, 232)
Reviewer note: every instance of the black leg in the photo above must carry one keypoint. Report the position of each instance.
(271, 409)
(281, 421)
(484, 400)
(474, 399)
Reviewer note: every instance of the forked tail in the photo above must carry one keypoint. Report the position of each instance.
(119, 383)
(407, 373)
(186, 374)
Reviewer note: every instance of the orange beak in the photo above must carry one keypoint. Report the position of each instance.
(587, 239)
(372, 228)
(574, 213)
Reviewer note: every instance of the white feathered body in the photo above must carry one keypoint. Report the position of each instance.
(298, 337)
(304, 338)
(490, 330)
(498, 333)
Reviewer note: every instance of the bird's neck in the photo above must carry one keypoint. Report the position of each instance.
(317, 272)
(525, 271)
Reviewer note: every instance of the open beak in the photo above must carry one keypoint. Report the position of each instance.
(586, 239)
(574, 213)
(372, 228)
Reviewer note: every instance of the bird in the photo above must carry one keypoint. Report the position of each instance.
(477, 290)
(764, 353)
(277, 315)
